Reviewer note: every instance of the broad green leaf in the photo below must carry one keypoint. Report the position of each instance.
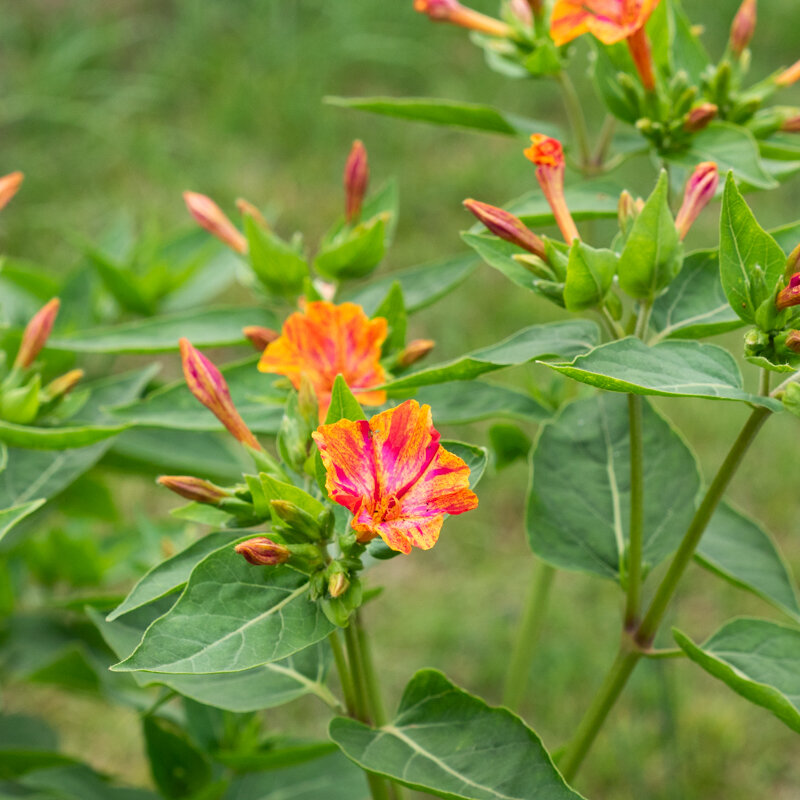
(178, 768)
(675, 46)
(266, 616)
(695, 304)
(332, 777)
(175, 407)
(578, 508)
(669, 369)
(254, 689)
(26, 744)
(498, 254)
(216, 327)
(739, 550)
(78, 782)
(471, 401)
(173, 573)
(653, 252)
(56, 438)
(393, 310)
(590, 273)
(744, 247)
(9, 517)
(450, 113)
(759, 660)
(509, 443)
(550, 340)
(422, 286)
(475, 457)
(451, 744)
(277, 265)
(732, 147)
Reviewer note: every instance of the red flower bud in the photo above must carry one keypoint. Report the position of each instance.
(700, 117)
(793, 341)
(414, 351)
(9, 186)
(210, 216)
(194, 489)
(37, 333)
(790, 296)
(263, 552)
(356, 178)
(700, 189)
(789, 76)
(452, 11)
(743, 27)
(259, 336)
(505, 225)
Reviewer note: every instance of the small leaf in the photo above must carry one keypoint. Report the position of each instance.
(475, 458)
(277, 265)
(178, 768)
(393, 310)
(354, 253)
(590, 273)
(343, 404)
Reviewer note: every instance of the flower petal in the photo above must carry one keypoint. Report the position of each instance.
(404, 533)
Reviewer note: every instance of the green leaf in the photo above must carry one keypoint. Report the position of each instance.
(550, 340)
(669, 369)
(172, 574)
(121, 283)
(731, 147)
(695, 304)
(739, 550)
(354, 253)
(472, 401)
(653, 252)
(590, 273)
(744, 247)
(277, 265)
(608, 63)
(509, 444)
(498, 254)
(759, 660)
(422, 286)
(343, 404)
(178, 768)
(9, 517)
(451, 744)
(675, 46)
(216, 327)
(475, 457)
(267, 615)
(578, 507)
(393, 310)
(26, 744)
(56, 438)
(277, 490)
(78, 782)
(450, 113)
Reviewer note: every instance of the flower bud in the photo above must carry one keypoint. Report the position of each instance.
(61, 386)
(296, 518)
(356, 178)
(263, 552)
(793, 341)
(626, 211)
(9, 186)
(743, 27)
(206, 383)
(247, 209)
(522, 10)
(700, 117)
(338, 584)
(452, 11)
(37, 333)
(508, 227)
(700, 189)
(414, 351)
(195, 489)
(790, 296)
(259, 336)
(789, 76)
(791, 125)
(210, 216)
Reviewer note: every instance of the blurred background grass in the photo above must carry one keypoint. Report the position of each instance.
(112, 109)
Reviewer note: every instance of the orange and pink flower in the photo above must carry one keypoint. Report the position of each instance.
(325, 340)
(394, 476)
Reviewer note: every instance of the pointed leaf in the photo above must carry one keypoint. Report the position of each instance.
(9, 517)
(472, 401)
(590, 273)
(277, 265)
(56, 438)
(343, 404)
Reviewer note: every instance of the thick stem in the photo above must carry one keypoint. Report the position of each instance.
(636, 535)
(374, 698)
(528, 635)
(345, 679)
(577, 121)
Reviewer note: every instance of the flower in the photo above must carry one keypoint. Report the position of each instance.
(356, 177)
(210, 216)
(700, 190)
(548, 155)
(325, 340)
(263, 552)
(790, 296)
(505, 225)
(610, 21)
(9, 186)
(36, 334)
(394, 476)
(206, 383)
(452, 11)
(743, 27)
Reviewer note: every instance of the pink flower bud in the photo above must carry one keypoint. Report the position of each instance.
(793, 341)
(789, 76)
(743, 27)
(206, 383)
(356, 178)
(453, 12)
(522, 10)
(700, 117)
(247, 209)
(37, 333)
(194, 489)
(790, 296)
(210, 216)
(700, 189)
(414, 351)
(9, 186)
(63, 385)
(260, 337)
(505, 225)
(263, 552)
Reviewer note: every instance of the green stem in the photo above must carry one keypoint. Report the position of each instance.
(643, 320)
(528, 635)
(604, 141)
(345, 679)
(615, 329)
(672, 652)
(636, 544)
(374, 698)
(577, 121)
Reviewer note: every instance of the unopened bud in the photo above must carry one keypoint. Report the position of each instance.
(247, 209)
(414, 351)
(295, 518)
(452, 11)
(700, 189)
(338, 584)
(507, 226)
(522, 10)
(789, 76)
(9, 186)
(743, 27)
(61, 386)
(260, 337)
(37, 333)
(791, 125)
(535, 266)
(195, 489)
(206, 383)
(263, 552)
(210, 216)
(790, 296)
(793, 341)
(356, 178)
(626, 211)
(700, 117)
